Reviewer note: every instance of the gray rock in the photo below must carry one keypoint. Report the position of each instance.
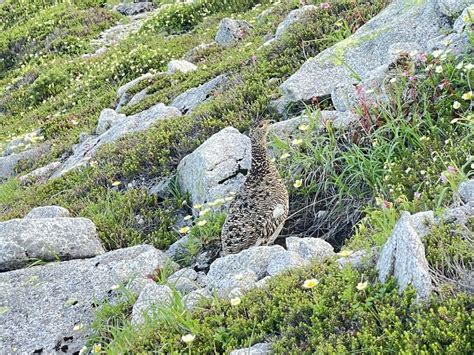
(211, 172)
(293, 17)
(193, 54)
(48, 212)
(236, 270)
(182, 66)
(283, 261)
(463, 23)
(138, 97)
(192, 98)
(48, 239)
(107, 119)
(231, 31)
(134, 8)
(21, 143)
(288, 128)
(460, 215)
(452, 8)
(192, 299)
(466, 191)
(185, 281)
(40, 175)
(257, 349)
(403, 256)
(160, 187)
(179, 249)
(263, 282)
(315, 249)
(123, 91)
(42, 304)
(139, 122)
(402, 21)
(261, 17)
(152, 297)
(9, 163)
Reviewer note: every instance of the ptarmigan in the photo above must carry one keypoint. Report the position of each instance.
(259, 211)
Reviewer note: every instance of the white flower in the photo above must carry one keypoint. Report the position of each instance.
(296, 141)
(284, 156)
(459, 66)
(202, 223)
(437, 53)
(456, 105)
(204, 212)
(188, 338)
(467, 96)
(184, 230)
(310, 283)
(361, 286)
(187, 218)
(439, 69)
(235, 301)
(298, 183)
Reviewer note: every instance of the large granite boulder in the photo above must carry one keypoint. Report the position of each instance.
(42, 236)
(107, 119)
(192, 98)
(466, 191)
(403, 255)
(355, 58)
(84, 151)
(217, 167)
(231, 31)
(49, 308)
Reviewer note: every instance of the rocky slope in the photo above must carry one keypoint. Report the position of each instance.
(125, 137)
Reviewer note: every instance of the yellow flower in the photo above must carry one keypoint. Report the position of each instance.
(284, 156)
(116, 183)
(310, 283)
(188, 338)
(184, 230)
(298, 183)
(197, 207)
(303, 127)
(456, 105)
(345, 253)
(235, 301)
(96, 348)
(204, 212)
(188, 217)
(467, 96)
(361, 286)
(201, 223)
(296, 141)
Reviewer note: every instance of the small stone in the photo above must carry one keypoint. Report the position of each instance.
(293, 17)
(231, 31)
(48, 212)
(40, 175)
(257, 349)
(135, 8)
(152, 297)
(107, 119)
(283, 261)
(182, 66)
(310, 248)
(10, 162)
(192, 299)
(466, 191)
(184, 280)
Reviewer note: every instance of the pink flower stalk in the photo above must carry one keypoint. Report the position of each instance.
(421, 57)
(417, 195)
(324, 6)
(451, 169)
(254, 59)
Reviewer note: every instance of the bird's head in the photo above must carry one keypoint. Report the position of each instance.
(259, 131)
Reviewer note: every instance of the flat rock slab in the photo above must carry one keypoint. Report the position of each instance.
(402, 22)
(41, 306)
(84, 151)
(217, 167)
(23, 241)
(192, 98)
(231, 31)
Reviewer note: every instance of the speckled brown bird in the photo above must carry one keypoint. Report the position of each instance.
(260, 209)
